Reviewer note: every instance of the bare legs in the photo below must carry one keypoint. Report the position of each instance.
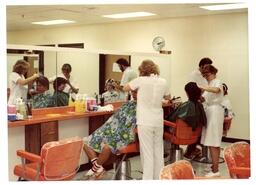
(215, 154)
(103, 156)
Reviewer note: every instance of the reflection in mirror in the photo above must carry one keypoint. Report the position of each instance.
(40, 62)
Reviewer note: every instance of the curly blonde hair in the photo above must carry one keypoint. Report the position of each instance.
(21, 66)
(148, 67)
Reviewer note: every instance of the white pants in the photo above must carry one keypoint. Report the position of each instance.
(151, 151)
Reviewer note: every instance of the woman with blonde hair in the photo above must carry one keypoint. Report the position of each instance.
(151, 91)
(18, 84)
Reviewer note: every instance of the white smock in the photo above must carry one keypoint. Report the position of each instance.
(16, 90)
(151, 90)
(212, 133)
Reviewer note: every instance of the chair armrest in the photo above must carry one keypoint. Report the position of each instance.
(241, 171)
(170, 124)
(29, 156)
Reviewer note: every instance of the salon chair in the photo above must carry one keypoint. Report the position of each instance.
(179, 133)
(122, 166)
(58, 160)
(237, 158)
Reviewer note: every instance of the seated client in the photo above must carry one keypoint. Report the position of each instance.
(191, 112)
(41, 97)
(117, 132)
(60, 97)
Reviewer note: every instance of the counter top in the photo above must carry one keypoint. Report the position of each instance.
(58, 114)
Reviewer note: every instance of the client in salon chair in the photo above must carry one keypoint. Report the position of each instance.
(60, 98)
(191, 112)
(117, 132)
(41, 97)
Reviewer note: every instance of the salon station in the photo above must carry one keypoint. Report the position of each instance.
(83, 96)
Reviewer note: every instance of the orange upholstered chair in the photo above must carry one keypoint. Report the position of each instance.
(59, 160)
(123, 166)
(180, 134)
(181, 169)
(237, 158)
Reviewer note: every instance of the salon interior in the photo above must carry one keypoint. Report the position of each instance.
(47, 142)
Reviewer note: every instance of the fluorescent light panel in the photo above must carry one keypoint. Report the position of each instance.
(128, 15)
(53, 22)
(225, 6)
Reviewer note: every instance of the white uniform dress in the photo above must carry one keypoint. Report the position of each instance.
(212, 134)
(196, 76)
(128, 75)
(151, 90)
(67, 88)
(16, 90)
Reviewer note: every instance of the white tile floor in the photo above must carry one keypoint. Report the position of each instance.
(137, 169)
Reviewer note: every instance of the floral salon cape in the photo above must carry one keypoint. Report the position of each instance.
(117, 131)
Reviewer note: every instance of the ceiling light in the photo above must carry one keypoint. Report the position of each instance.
(129, 15)
(225, 6)
(52, 22)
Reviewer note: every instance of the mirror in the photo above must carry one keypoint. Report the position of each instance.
(90, 70)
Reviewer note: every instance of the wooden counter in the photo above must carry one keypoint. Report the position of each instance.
(44, 124)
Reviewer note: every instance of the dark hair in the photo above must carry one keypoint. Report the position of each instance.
(209, 69)
(193, 91)
(67, 67)
(43, 80)
(57, 82)
(225, 88)
(205, 61)
(122, 61)
(20, 66)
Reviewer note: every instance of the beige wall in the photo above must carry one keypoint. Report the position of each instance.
(224, 38)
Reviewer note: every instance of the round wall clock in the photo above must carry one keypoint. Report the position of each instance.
(158, 43)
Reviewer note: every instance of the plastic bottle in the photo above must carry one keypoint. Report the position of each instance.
(71, 103)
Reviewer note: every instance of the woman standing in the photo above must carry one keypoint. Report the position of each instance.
(18, 83)
(212, 134)
(151, 91)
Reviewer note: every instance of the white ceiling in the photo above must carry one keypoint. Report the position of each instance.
(20, 17)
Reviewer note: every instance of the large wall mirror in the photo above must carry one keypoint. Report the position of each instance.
(90, 70)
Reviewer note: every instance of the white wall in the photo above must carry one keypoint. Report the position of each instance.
(224, 38)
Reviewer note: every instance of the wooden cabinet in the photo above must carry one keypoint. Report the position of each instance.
(39, 134)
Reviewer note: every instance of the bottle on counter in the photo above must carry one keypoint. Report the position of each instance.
(71, 102)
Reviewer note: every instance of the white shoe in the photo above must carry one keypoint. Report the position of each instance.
(208, 169)
(89, 173)
(211, 174)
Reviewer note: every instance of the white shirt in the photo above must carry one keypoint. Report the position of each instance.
(214, 98)
(16, 90)
(196, 76)
(67, 88)
(151, 90)
(128, 75)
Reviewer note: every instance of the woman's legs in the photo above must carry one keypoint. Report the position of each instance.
(215, 154)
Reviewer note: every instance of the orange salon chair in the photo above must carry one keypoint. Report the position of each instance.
(59, 160)
(237, 158)
(180, 134)
(181, 169)
(123, 167)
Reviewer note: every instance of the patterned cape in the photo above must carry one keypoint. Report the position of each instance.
(117, 131)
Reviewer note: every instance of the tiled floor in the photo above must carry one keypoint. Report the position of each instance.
(136, 168)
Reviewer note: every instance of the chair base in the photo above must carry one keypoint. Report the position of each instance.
(122, 170)
(176, 154)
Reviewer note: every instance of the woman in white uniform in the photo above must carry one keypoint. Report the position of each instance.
(212, 134)
(18, 84)
(151, 91)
